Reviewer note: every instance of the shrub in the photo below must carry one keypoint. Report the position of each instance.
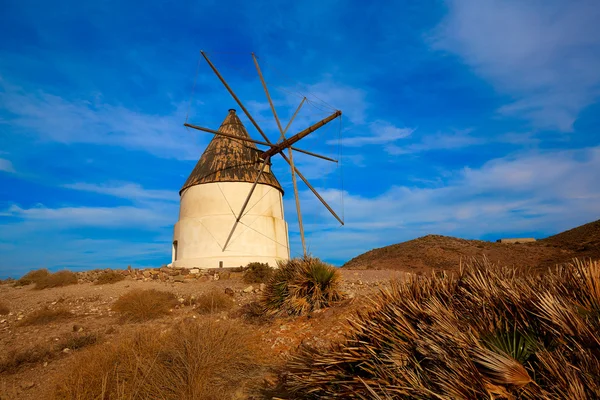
(4, 309)
(45, 316)
(213, 301)
(209, 360)
(32, 277)
(302, 285)
(254, 313)
(13, 359)
(76, 341)
(142, 305)
(58, 279)
(485, 332)
(257, 272)
(108, 277)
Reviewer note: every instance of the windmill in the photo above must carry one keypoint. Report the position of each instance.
(232, 168)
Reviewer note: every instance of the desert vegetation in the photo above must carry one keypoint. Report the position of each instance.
(207, 360)
(46, 315)
(57, 279)
(213, 301)
(109, 277)
(142, 305)
(484, 332)
(4, 309)
(32, 277)
(302, 285)
(257, 272)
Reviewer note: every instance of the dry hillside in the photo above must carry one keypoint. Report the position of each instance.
(443, 252)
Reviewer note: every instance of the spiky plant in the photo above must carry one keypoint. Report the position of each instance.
(301, 285)
(485, 333)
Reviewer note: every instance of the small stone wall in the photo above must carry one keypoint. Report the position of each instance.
(163, 274)
(516, 240)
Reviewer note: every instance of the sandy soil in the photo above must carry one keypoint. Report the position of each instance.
(91, 305)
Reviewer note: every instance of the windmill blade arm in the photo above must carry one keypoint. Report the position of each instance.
(237, 100)
(289, 142)
(200, 128)
(313, 190)
(313, 154)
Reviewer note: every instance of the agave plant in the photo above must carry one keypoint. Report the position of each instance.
(302, 285)
(487, 332)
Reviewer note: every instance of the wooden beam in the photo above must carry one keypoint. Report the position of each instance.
(313, 189)
(282, 137)
(289, 142)
(235, 97)
(262, 80)
(239, 217)
(299, 212)
(229, 135)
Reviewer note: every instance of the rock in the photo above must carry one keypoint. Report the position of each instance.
(146, 274)
(66, 350)
(25, 385)
(360, 282)
(179, 278)
(249, 289)
(262, 287)
(216, 277)
(195, 271)
(229, 292)
(181, 300)
(3, 321)
(77, 328)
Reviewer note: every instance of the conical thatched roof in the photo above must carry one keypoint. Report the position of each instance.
(230, 160)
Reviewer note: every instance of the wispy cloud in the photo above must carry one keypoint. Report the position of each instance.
(452, 140)
(125, 190)
(546, 56)
(518, 193)
(54, 118)
(381, 132)
(6, 165)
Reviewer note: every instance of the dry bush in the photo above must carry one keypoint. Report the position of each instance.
(108, 277)
(76, 341)
(32, 277)
(208, 360)
(58, 279)
(12, 360)
(46, 315)
(213, 301)
(257, 272)
(4, 309)
(301, 285)
(254, 313)
(484, 332)
(142, 305)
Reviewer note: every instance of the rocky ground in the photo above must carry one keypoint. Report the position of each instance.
(91, 304)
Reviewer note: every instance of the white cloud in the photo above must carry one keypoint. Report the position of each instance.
(452, 140)
(530, 192)
(57, 119)
(545, 55)
(131, 191)
(382, 132)
(6, 165)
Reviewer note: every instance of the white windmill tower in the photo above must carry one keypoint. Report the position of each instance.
(231, 208)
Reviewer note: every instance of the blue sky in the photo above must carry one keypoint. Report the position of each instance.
(476, 119)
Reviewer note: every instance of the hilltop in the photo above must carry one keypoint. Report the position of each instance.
(436, 252)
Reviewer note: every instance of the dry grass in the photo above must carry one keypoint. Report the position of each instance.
(76, 341)
(109, 277)
(484, 332)
(209, 360)
(302, 285)
(257, 272)
(32, 277)
(4, 309)
(14, 359)
(58, 279)
(213, 301)
(142, 305)
(45, 316)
